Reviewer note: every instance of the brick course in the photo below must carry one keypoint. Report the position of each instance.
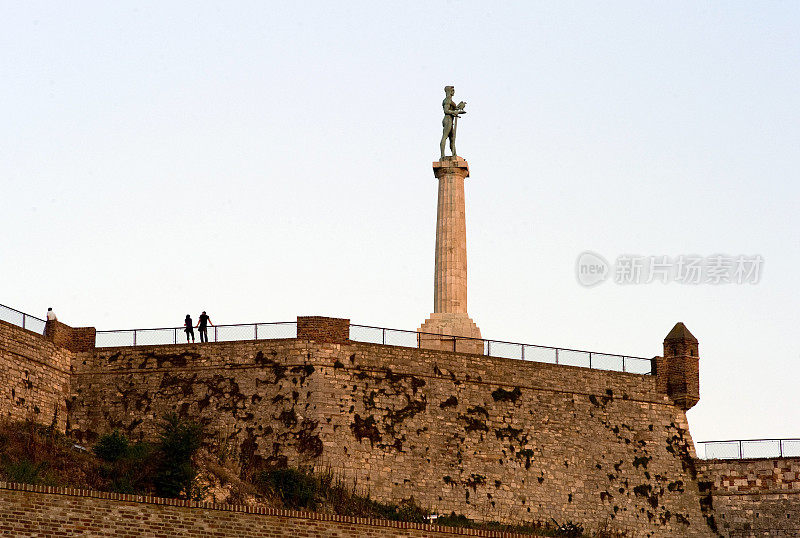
(48, 512)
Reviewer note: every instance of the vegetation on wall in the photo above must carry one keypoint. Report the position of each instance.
(35, 454)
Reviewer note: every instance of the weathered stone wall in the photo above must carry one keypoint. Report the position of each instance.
(753, 497)
(492, 438)
(54, 512)
(34, 377)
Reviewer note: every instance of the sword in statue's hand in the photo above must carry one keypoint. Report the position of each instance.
(459, 111)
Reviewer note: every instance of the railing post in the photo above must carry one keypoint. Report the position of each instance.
(174, 336)
(454, 343)
(23, 321)
(780, 447)
(623, 364)
(740, 450)
(215, 333)
(488, 348)
(384, 336)
(419, 339)
(522, 347)
(556, 355)
(255, 325)
(134, 338)
(590, 359)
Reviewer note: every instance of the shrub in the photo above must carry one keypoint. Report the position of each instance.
(179, 440)
(111, 446)
(128, 467)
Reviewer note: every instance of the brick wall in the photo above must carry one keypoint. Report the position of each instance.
(495, 439)
(70, 338)
(753, 497)
(34, 377)
(322, 329)
(47, 512)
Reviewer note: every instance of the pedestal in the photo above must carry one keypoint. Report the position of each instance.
(442, 331)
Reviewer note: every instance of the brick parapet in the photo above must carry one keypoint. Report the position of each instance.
(75, 339)
(323, 329)
(24, 508)
(751, 476)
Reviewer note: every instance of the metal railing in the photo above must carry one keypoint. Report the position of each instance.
(21, 319)
(216, 333)
(359, 333)
(740, 449)
(503, 349)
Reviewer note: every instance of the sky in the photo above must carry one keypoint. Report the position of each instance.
(267, 160)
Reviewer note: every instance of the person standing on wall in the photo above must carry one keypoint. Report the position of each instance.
(188, 328)
(51, 316)
(202, 324)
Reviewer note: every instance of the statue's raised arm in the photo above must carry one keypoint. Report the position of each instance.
(450, 122)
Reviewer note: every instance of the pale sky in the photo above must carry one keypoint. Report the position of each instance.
(266, 160)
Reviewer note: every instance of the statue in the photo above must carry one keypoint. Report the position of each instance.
(450, 121)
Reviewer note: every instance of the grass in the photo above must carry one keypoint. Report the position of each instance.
(301, 490)
(35, 454)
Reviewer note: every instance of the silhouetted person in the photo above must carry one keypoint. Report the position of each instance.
(202, 324)
(188, 328)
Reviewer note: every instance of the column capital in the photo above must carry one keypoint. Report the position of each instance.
(451, 165)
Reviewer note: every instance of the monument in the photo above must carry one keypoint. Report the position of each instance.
(449, 318)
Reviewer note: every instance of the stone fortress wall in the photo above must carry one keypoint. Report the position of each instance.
(490, 443)
(753, 497)
(494, 439)
(34, 377)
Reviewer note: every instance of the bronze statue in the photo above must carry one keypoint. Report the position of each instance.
(450, 121)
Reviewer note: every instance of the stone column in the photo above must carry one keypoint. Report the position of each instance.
(449, 317)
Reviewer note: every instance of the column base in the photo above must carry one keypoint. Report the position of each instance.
(442, 327)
